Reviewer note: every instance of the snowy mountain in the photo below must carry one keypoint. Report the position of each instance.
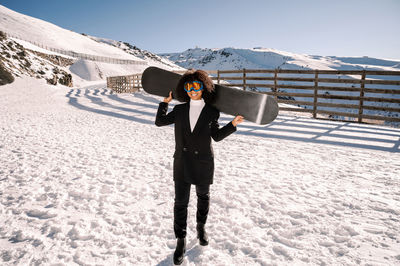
(266, 58)
(39, 31)
(149, 57)
(38, 36)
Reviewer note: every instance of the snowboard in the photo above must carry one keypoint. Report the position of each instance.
(253, 106)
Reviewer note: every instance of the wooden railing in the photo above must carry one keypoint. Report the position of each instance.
(350, 95)
(365, 95)
(132, 83)
(125, 84)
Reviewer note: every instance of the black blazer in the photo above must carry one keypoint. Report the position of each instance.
(193, 157)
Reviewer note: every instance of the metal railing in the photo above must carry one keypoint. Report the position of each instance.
(84, 56)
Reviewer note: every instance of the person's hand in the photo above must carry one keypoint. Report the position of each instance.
(169, 98)
(237, 120)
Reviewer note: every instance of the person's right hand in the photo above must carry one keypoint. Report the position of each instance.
(169, 98)
(238, 119)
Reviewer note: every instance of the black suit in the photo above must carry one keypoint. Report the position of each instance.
(193, 158)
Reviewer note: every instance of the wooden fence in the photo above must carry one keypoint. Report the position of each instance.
(124, 84)
(132, 83)
(350, 95)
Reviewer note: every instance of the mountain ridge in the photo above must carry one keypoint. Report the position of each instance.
(258, 57)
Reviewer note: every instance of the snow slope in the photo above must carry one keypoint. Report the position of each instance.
(31, 31)
(86, 179)
(43, 32)
(150, 58)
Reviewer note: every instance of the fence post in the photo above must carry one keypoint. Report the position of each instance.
(218, 77)
(244, 79)
(276, 84)
(315, 94)
(360, 106)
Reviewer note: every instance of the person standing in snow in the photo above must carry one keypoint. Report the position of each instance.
(196, 122)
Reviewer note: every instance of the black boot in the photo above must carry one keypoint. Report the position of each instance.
(179, 251)
(202, 234)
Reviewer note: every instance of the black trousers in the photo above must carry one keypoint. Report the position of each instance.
(182, 195)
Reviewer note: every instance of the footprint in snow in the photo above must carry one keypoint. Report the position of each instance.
(40, 214)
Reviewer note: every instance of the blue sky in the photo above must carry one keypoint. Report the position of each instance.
(319, 27)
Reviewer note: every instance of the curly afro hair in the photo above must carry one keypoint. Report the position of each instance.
(196, 75)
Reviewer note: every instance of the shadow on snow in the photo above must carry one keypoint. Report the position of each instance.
(284, 127)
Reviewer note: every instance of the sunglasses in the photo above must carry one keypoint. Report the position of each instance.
(195, 85)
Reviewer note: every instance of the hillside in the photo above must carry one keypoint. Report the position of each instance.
(17, 62)
(39, 31)
(151, 58)
(38, 36)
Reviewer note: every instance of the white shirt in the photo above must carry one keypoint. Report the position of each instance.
(194, 111)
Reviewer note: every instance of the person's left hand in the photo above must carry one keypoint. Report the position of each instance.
(237, 120)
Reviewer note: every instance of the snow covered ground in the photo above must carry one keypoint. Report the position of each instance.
(86, 178)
